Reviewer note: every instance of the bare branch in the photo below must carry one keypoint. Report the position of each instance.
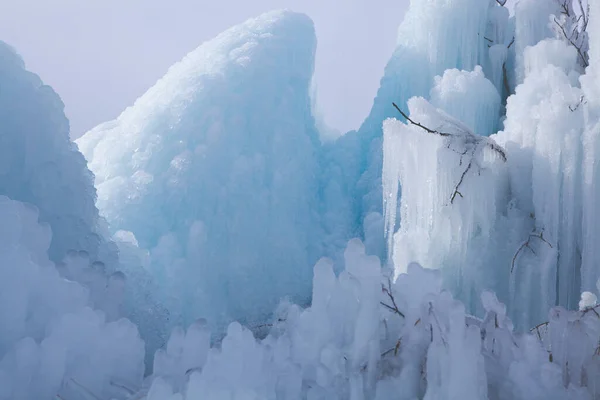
(388, 291)
(393, 349)
(392, 309)
(457, 187)
(418, 124)
(527, 244)
(470, 141)
(497, 149)
(570, 40)
(537, 328)
(511, 43)
(592, 309)
(584, 14)
(582, 100)
(86, 390)
(433, 314)
(565, 8)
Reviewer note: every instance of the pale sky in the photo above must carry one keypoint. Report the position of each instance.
(100, 55)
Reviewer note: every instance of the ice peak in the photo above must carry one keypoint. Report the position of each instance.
(217, 165)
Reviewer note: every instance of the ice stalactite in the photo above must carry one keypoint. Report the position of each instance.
(450, 196)
(591, 153)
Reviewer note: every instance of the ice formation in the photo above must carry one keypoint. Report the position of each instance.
(411, 340)
(417, 59)
(486, 177)
(41, 166)
(51, 341)
(519, 224)
(511, 211)
(215, 172)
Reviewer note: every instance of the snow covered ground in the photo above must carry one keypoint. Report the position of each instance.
(445, 250)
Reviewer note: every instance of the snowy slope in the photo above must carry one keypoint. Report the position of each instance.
(41, 166)
(215, 172)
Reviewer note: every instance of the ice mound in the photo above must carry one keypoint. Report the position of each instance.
(51, 341)
(214, 171)
(368, 337)
(41, 166)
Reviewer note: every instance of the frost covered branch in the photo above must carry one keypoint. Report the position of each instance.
(573, 28)
(527, 244)
(462, 132)
(470, 145)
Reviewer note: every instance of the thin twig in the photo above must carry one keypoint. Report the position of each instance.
(511, 43)
(527, 244)
(418, 124)
(581, 101)
(591, 308)
(433, 314)
(457, 187)
(393, 349)
(393, 308)
(489, 144)
(562, 28)
(537, 328)
(469, 138)
(88, 391)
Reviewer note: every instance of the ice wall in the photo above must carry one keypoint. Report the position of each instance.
(522, 226)
(215, 172)
(542, 134)
(40, 165)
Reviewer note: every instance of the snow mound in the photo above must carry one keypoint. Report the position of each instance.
(41, 166)
(214, 171)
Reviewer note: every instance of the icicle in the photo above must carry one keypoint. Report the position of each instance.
(532, 25)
